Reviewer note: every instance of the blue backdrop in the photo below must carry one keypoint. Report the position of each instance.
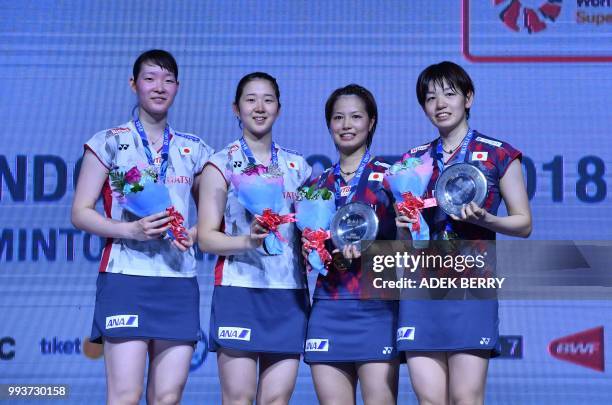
(543, 82)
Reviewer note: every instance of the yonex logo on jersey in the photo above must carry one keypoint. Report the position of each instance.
(234, 333)
(121, 321)
(405, 333)
(485, 340)
(238, 164)
(387, 350)
(123, 146)
(317, 345)
(490, 142)
(481, 156)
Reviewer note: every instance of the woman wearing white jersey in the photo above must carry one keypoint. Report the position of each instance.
(147, 299)
(260, 301)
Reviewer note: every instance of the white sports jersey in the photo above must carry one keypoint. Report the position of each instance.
(256, 269)
(122, 147)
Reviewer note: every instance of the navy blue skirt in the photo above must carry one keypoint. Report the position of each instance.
(259, 320)
(141, 307)
(448, 326)
(351, 331)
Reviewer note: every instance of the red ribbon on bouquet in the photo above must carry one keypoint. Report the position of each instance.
(176, 225)
(316, 240)
(412, 207)
(271, 221)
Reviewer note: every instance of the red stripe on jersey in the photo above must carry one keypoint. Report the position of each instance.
(107, 200)
(220, 260)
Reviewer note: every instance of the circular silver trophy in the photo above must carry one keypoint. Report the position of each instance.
(353, 223)
(460, 184)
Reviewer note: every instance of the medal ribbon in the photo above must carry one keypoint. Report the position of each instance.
(164, 151)
(341, 200)
(251, 158)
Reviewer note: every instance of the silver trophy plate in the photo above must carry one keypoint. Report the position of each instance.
(353, 223)
(460, 184)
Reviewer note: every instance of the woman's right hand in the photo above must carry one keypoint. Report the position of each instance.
(150, 227)
(402, 221)
(258, 234)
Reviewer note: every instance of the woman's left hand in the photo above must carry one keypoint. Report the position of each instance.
(471, 213)
(184, 244)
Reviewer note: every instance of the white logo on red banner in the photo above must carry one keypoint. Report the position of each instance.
(584, 348)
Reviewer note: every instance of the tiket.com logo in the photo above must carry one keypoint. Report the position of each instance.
(584, 348)
(528, 14)
(57, 346)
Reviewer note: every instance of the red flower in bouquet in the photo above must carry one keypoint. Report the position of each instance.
(133, 175)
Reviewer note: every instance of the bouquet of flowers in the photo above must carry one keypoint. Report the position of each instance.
(260, 190)
(314, 211)
(138, 191)
(408, 180)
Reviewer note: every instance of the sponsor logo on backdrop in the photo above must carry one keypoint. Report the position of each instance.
(7, 348)
(57, 346)
(584, 348)
(92, 350)
(566, 30)
(511, 347)
(68, 347)
(527, 15)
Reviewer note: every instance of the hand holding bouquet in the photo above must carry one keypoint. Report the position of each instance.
(314, 211)
(260, 190)
(138, 191)
(408, 180)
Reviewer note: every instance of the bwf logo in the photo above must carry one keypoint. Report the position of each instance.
(530, 15)
(317, 345)
(234, 333)
(405, 333)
